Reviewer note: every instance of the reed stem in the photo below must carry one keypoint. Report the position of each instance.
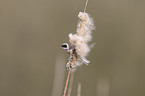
(65, 89)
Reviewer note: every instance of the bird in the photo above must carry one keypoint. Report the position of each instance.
(66, 47)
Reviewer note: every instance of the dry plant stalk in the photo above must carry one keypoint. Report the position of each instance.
(79, 48)
(67, 82)
(79, 90)
(70, 84)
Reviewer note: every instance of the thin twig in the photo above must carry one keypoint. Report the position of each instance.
(65, 89)
(86, 6)
(70, 84)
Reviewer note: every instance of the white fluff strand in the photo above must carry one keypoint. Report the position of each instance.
(83, 36)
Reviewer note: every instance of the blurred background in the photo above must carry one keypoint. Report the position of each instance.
(33, 64)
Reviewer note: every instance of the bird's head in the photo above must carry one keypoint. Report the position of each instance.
(65, 46)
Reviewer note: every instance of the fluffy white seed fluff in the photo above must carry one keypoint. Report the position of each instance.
(83, 36)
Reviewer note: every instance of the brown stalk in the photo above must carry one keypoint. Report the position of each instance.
(65, 89)
(70, 84)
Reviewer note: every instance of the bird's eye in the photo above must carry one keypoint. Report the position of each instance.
(65, 46)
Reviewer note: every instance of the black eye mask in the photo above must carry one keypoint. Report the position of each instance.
(64, 46)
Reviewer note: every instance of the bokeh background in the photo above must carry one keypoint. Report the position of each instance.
(33, 64)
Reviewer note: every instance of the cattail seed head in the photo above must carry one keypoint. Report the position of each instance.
(79, 41)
